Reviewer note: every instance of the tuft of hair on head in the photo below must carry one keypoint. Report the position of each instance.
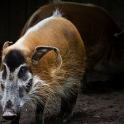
(57, 13)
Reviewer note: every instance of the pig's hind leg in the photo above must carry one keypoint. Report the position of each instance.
(67, 106)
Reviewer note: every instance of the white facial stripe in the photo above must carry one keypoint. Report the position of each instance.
(3, 100)
(17, 69)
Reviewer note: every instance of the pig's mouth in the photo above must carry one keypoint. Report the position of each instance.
(9, 114)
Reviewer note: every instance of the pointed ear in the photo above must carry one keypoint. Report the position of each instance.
(6, 44)
(40, 51)
(120, 35)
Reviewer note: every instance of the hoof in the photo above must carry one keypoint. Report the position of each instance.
(64, 117)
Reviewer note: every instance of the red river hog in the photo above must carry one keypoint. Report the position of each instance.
(47, 61)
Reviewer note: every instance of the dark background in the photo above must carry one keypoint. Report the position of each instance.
(15, 13)
(101, 108)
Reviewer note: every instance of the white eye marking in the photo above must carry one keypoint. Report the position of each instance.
(24, 83)
(1, 80)
(17, 69)
(13, 76)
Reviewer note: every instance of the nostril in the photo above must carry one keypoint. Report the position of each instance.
(8, 104)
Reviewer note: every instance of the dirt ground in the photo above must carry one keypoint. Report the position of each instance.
(105, 107)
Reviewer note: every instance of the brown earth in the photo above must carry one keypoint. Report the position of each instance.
(106, 107)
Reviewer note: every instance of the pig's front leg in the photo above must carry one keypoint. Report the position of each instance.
(40, 113)
(16, 120)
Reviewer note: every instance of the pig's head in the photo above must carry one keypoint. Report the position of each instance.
(17, 80)
(19, 84)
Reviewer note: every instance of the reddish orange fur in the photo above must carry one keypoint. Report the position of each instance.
(97, 30)
(62, 34)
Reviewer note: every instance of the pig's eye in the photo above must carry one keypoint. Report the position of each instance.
(28, 85)
(22, 73)
(23, 70)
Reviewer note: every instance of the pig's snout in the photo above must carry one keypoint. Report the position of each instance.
(9, 113)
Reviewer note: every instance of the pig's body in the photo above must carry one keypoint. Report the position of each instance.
(105, 58)
(32, 75)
